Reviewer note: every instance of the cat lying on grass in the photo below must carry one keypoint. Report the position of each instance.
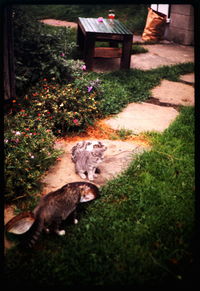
(87, 155)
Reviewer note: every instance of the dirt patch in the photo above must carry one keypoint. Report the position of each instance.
(56, 22)
(100, 130)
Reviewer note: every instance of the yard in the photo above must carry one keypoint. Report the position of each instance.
(141, 230)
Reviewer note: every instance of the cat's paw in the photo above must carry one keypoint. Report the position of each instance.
(83, 176)
(60, 232)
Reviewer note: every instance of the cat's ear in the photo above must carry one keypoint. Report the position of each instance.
(102, 145)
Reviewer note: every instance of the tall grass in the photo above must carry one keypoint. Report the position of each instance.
(139, 232)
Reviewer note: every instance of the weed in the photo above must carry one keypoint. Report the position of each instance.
(124, 133)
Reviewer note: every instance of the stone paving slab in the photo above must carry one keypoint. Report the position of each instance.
(148, 61)
(162, 55)
(158, 55)
(189, 78)
(174, 92)
(117, 157)
(140, 117)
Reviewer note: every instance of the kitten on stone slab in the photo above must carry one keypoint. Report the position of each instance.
(87, 155)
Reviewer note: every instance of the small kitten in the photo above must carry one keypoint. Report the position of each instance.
(87, 155)
(55, 207)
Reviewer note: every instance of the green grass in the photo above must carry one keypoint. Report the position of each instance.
(133, 16)
(122, 87)
(137, 233)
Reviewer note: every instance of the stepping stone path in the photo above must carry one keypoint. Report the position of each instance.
(145, 116)
(138, 117)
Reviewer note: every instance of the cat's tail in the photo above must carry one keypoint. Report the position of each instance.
(32, 235)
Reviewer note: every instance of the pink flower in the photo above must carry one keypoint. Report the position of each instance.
(100, 19)
(89, 89)
(76, 121)
(84, 67)
(62, 55)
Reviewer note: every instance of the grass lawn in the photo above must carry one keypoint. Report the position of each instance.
(139, 232)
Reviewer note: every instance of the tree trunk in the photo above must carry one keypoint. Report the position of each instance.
(8, 58)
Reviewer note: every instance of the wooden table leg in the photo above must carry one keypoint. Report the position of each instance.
(80, 39)
(126, 53)
(89, 51)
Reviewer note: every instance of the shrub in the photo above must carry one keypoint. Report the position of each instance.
(39, 51)
(28, 154)
(63, 108)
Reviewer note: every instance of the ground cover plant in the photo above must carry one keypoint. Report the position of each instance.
(139, 232)
(29, 152)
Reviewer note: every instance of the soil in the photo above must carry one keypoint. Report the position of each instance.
(56, 22)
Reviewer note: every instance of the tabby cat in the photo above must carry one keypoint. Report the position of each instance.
(87, 155)
(55, 207)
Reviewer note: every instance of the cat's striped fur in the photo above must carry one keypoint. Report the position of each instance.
(56, 206)
(87, 155)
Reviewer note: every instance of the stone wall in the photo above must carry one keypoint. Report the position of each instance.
(181, 26)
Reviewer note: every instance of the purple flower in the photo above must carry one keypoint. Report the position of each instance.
(62, 55)
(90, 88)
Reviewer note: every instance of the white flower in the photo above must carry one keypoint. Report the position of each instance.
(17, 133)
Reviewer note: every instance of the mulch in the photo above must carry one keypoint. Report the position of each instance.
(100, 130)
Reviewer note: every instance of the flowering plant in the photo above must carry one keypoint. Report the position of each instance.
(64, 108)
(28, 154)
